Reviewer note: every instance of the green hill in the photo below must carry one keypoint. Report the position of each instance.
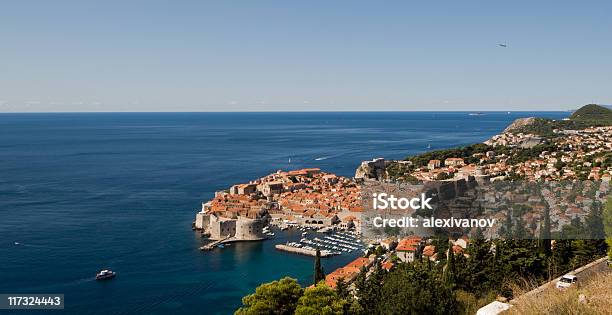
(592, 113)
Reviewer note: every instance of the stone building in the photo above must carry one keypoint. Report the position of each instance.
(245, 227)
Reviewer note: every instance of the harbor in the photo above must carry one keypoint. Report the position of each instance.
(330, 244)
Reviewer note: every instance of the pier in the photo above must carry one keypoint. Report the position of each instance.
(302, 251)
(214, 244)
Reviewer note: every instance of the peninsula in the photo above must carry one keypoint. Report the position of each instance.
(306, 197)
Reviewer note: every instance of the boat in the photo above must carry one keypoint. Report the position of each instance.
(476, 114)
(105, 274)
(305, 233)
(221, 246)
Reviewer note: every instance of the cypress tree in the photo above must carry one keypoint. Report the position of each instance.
(545, 239)
(318, 269)
(450, 266)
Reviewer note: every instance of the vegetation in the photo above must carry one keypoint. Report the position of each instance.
(596, 291)
(592, 113)
(277, 297)
(320, 300)
(415, 289)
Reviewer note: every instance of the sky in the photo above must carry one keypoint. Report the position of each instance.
(58, 56)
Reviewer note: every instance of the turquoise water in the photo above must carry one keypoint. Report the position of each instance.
(81, 192)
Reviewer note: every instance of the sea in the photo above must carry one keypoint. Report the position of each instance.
(80, 192)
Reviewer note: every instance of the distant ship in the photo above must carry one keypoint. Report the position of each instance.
(105, 274)
(476, 114)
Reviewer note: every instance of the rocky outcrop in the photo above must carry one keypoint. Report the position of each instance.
(374, 169)
(520, 123)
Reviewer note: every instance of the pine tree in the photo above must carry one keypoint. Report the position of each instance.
(318, 269)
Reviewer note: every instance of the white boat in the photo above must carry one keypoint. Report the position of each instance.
(105, 274)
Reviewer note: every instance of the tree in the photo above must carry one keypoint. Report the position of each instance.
(277, 297)
(545, 242)
(320, 299)
(413, 289)
(595, 223)
(506, 229)
(318, 269)
(450, 271)
(342, 288)
(368, 288)
(561, 256)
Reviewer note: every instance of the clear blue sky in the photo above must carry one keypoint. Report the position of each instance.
(303, 55)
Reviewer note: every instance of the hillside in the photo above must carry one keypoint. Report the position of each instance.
(592, 112)
(596, 291)
(587, 116)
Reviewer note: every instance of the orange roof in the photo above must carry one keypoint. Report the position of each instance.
(408, 244)
(348, 272)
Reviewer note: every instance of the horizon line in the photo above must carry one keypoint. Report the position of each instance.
(279, 111)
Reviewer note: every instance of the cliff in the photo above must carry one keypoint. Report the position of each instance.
(374, 169)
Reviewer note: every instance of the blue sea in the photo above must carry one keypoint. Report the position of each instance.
(82, 192)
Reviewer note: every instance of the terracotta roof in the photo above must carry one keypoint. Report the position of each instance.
(348, 272)
(408, 244)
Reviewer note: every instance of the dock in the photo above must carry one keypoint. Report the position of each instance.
(301, 251)
(214, 244)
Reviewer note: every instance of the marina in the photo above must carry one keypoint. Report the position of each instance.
(302, 251)
(330, 244)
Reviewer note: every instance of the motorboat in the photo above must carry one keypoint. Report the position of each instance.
(105, 274)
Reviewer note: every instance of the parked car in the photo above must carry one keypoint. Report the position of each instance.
(566, 281)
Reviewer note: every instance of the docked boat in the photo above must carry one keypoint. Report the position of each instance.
(105, 274)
